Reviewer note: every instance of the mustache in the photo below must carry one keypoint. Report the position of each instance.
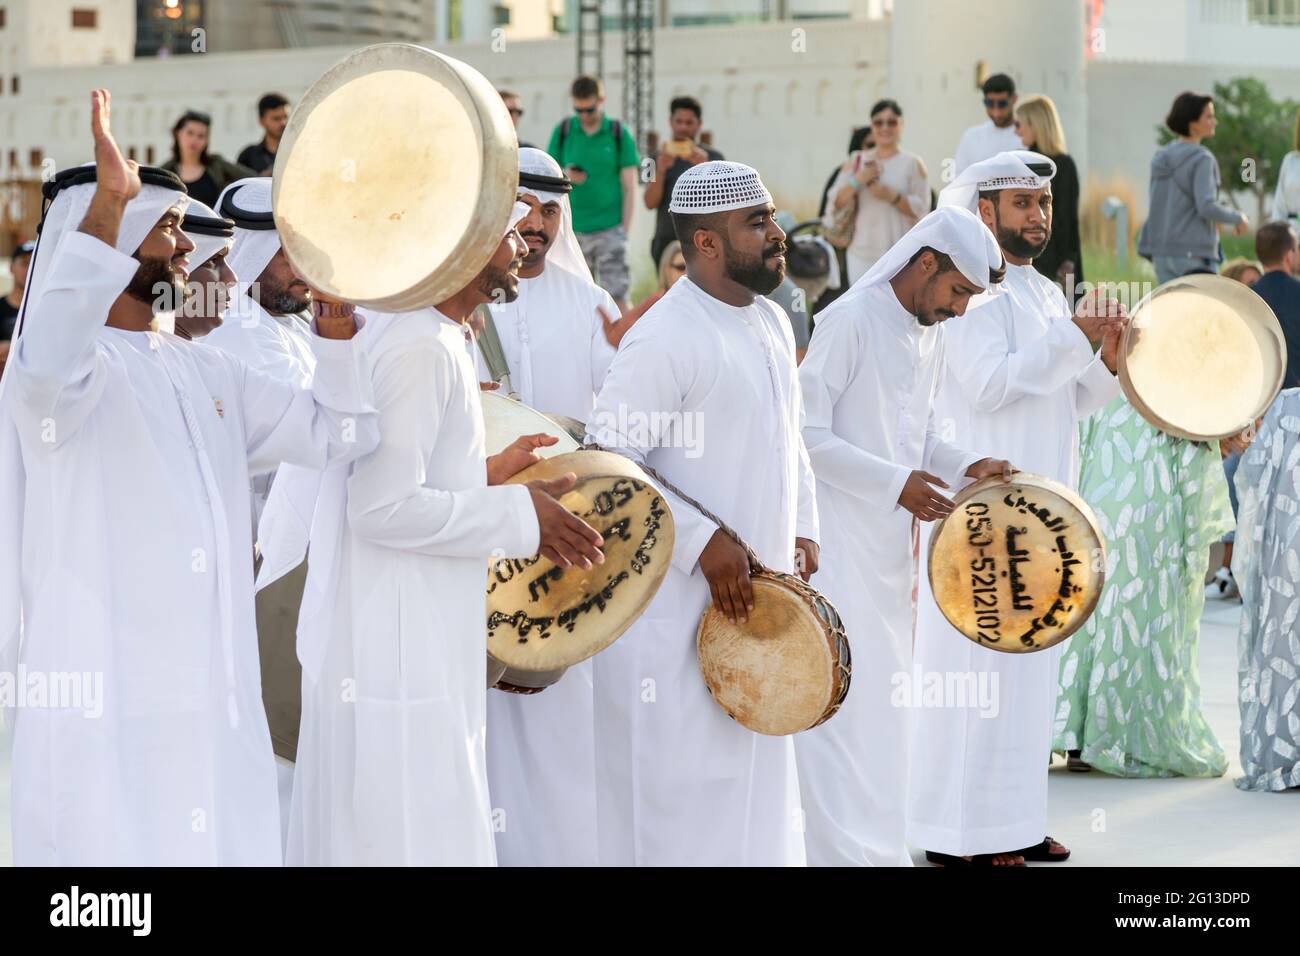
(537, 233)
(777, 249)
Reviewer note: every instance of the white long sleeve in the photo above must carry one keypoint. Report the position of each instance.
(333, 421)
(389, 503)
(992, 376)
(1095, 388)
(56, 370)
(826, 371)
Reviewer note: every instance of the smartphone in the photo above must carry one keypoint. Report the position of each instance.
(680, 148)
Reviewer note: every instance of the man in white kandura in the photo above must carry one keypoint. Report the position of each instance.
(266, 323)
(868, 380)
(541, 747)
(704, 390)
(392, 632)
(124, 486)
(1021, 373)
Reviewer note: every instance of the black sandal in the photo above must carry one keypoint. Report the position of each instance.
(1075, 763)
(977, 862)
(1042, 853)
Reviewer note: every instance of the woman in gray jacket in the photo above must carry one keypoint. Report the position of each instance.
(1181, 234)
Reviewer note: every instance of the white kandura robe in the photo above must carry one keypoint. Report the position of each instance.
(137, 448)
(678, 781)
(392, 635)
(279, 345)
(869, 380)
(1020, 376)
(541, 747)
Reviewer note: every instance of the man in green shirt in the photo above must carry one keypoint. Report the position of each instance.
(599, 157)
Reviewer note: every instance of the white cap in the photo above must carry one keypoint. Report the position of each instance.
(717, 186)
(1015, 168)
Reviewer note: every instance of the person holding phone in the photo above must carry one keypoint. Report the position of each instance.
(599, 156)
(891, 188)
(675, 156)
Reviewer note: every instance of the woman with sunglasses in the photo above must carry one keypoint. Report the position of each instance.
(204, 174)
(891, 188)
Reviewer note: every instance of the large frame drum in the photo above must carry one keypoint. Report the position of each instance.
(395, 178)
(1202, 358)
(1018, 565)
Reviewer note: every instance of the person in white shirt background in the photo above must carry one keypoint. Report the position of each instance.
(996, 134)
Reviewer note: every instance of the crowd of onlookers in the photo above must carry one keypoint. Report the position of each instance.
(877, 194)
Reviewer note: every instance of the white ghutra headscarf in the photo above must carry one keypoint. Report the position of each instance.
(956, 232)
(540, 176)
(1013, 169)
(67, 208)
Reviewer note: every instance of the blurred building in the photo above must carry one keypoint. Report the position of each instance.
(782, 82)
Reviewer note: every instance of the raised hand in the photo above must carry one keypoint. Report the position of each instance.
(566, 539)
(115, 175)
(1096, 312)
(615, 329)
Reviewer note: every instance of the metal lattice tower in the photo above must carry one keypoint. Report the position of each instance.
(591, 40)
(639, 70)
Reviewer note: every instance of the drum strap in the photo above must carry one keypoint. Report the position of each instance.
(494, 356)
(755, 563)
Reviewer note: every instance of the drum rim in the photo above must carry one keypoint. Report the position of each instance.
(544, 419)
(615, 465)
(1260, 314)
(490, 121)
(841, 650)
(1047, 484)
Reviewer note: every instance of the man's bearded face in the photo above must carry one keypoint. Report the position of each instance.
(1022, 221)
(539, 228)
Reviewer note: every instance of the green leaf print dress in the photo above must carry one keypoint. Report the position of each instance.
(1129, 684)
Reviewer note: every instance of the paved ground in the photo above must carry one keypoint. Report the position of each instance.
(1173, 822)
(1176, 821)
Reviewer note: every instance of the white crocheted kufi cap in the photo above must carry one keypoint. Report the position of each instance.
(718, 186)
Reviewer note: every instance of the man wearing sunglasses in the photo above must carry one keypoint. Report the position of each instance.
(515, 107)
(599, 156)
(996, 134)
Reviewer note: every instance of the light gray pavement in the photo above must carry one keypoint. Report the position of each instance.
(1109, 821)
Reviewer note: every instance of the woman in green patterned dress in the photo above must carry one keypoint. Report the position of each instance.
(1130, 691)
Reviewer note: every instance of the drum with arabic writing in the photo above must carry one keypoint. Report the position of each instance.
(1019, 565)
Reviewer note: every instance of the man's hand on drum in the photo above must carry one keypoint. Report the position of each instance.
(807, 556)
(991, 468)
(566, 540)
(1097, 315)
(919, 497)
(517, 456)
(726, 567)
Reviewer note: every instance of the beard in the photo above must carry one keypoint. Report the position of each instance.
(495, 283)
(281, 300)
(752, 272)
(535, 256)
(1014, 242)
(157, 284)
